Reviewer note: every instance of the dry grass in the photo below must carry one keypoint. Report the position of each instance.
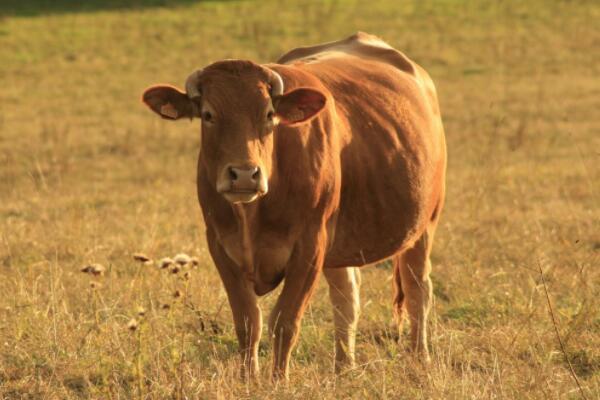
(88, 176)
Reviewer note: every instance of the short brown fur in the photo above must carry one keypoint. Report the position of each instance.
(360, 181)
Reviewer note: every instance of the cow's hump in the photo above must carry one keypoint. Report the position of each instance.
(360, 44)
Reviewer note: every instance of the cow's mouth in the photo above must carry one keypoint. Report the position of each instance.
(241, 195)
(241, 191)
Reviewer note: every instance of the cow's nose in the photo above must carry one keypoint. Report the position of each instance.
(244, 178)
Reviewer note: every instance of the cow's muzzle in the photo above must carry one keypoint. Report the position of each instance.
(242, 184)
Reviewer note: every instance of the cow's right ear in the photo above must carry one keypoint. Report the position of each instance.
(169, 102)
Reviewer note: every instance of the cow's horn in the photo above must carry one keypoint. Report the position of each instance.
(276, 83)
(191, 84)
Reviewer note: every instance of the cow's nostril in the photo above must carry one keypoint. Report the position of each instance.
(256, 173)
(232, 174)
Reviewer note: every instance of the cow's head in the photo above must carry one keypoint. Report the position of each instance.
(240, 104)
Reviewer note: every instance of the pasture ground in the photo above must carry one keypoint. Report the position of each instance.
(87, 174)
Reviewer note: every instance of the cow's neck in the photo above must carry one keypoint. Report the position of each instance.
(244, 214)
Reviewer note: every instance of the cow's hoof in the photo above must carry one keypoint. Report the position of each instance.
(248, 373)
(343, 366)
(280, 376)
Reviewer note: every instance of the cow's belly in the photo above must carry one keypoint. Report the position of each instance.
(363, 237)
(384, 206)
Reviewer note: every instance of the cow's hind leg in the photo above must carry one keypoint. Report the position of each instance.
(414, 267)
(344, 292)
(398, 302)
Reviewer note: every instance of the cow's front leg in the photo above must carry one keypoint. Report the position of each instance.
(301, 278)
(247, 316)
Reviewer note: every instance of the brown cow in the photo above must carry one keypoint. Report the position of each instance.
(333, 157)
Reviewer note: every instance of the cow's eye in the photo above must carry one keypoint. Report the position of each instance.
(270, 115)
(207, 116)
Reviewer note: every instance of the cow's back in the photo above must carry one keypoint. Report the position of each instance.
(392, 145)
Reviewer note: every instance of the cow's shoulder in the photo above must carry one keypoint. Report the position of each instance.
(360, 44)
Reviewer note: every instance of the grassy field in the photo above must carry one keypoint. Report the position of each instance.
(87, 174)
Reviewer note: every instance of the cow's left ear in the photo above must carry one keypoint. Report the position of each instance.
(299, 105)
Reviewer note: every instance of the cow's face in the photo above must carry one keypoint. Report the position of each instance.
(240, 104)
